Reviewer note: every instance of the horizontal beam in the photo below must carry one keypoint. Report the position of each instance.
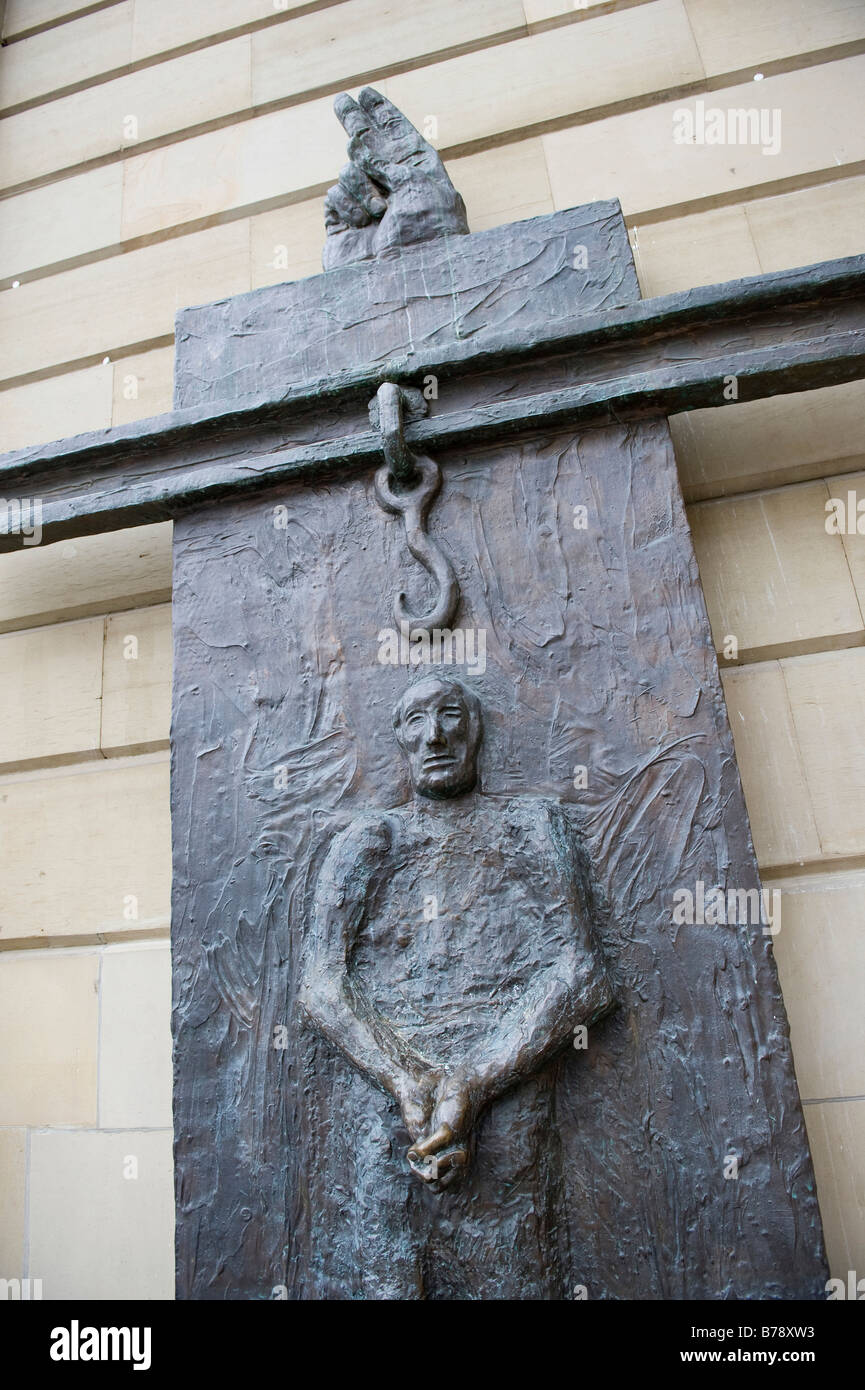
(789, 331)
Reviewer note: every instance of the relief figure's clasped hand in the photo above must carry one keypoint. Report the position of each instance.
(447, 1106)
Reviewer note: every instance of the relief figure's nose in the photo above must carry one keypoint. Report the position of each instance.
(434, 733)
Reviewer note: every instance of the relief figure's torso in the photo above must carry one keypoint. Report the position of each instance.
(462, 913)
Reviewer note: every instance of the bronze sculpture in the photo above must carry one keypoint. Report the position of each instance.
(601, 686)
(394, 191)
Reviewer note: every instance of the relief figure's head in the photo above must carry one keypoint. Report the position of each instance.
(437, 722)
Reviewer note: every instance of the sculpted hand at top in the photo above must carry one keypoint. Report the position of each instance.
(394, 192)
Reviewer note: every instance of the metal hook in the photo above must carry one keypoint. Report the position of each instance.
(398, 456)
(405, 486)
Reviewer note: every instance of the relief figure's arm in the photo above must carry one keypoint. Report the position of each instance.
(574, 989)
(560, 997)
(333, 1002)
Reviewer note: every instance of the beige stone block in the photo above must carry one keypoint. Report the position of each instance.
(820, 950)
(162, 25)
(765, 443)
(119, 302)
(135, 1077)
(145, 105)
(13, 1186)
(329, 46)
(827, 699)
(65, 55)
(810, 225)
(48, 1028)
(800, 740)
(731, 37)
(54, 408)
(19, 16)
(136, 697)
(552, 74)
(521, 213)
(704, 249)
(776, 233)
(50, 689)
(286, 244)
(836, 1133)
(852, 538)
(770, 765)
(143, 385)
(54, 224)
(91, 850)
(97, 1231)
(92, 574)
(773, 577)
(301, 148)
(186, 91)
(537, 11)
(503, 185)
(635, 157)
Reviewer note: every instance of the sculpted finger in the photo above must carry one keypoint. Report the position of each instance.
(332, 220)
(361, 188)
(341, 205)
(392, 150)
(353, 118)
(453, 1110)
(382, 113)
(439, 1140)
(372, 155)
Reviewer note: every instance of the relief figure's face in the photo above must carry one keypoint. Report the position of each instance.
(438, 728)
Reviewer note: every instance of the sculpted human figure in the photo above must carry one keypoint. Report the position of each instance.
(450, 960)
